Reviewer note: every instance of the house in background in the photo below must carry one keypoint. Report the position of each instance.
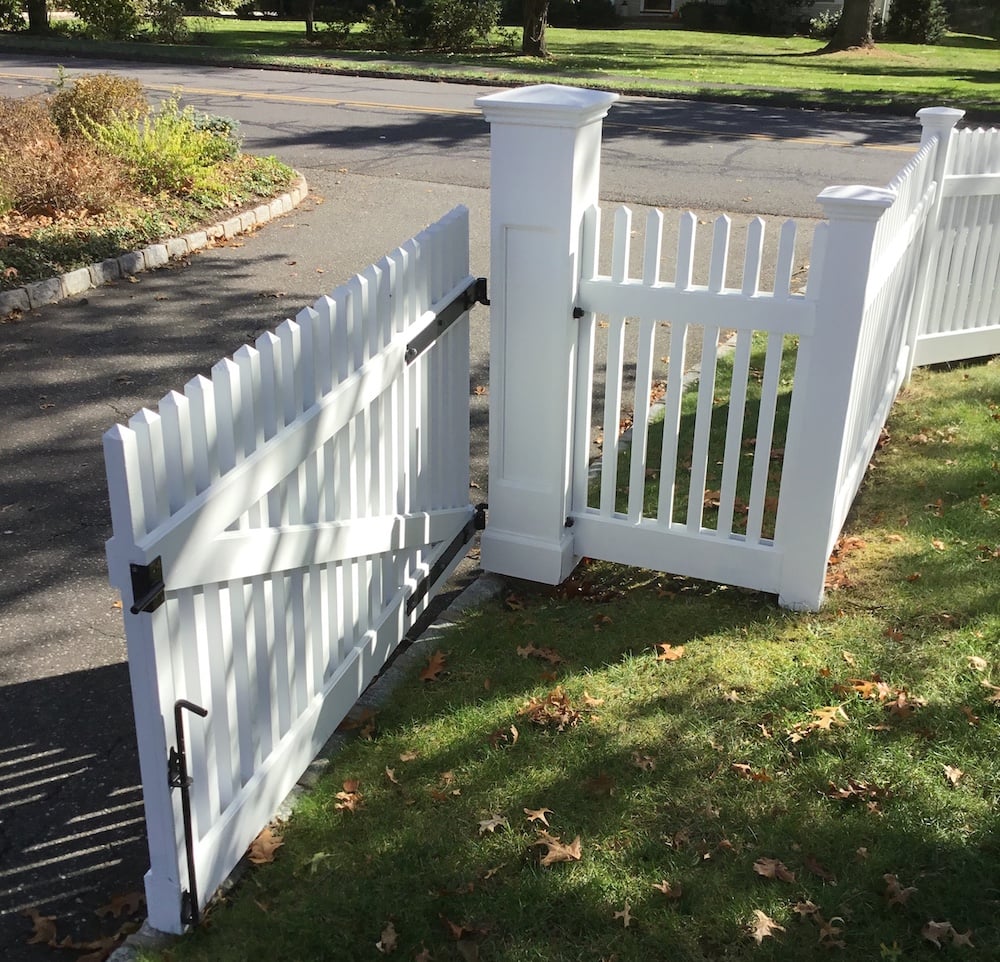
(651, 9)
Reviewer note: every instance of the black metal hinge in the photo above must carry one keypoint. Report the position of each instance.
(474, 293)
(147, 586)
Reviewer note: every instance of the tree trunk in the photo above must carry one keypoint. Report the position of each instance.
(855, 27)
(536, 13)
(38, 16)
(310, 18)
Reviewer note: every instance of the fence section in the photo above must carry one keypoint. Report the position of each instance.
(961, 316)
(695, 487)
(721, 488)
(278, 528)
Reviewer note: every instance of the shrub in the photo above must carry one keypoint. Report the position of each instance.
(40, 173)
(917, 21)
(162, 151)
(96, 99)
(765, 16)
(108, 19)
(166, 21)
(10, 15)
(434, 24)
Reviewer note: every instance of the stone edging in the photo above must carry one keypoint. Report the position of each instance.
(485, 588)
(74, 283)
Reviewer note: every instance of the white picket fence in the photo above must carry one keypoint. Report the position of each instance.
(287, 521)
(898, 275)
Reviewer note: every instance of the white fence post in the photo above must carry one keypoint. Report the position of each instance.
(810, 510)
(936, 123)
(545, 168)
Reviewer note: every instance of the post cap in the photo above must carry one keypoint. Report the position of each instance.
(856, 202)
(547, 105)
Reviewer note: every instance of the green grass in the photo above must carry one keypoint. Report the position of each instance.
(646, 778)
(962, 71)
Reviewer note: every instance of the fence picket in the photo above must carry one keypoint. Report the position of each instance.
(785, 265)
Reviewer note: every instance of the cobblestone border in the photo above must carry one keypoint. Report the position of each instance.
(74, 283)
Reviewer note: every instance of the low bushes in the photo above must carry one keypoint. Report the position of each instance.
(93, 170)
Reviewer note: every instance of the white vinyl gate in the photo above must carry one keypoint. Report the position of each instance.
(277, 529)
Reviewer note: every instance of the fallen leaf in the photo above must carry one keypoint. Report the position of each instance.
(410, 756)
(263, 847)
(813, 865)
(625, 915)
(764, 927)
(492, 823)
(538, 815)
(933, 932)
(971, 717)
(387, 943)
(746, 771)
(953, 774)
(994, 695)
(122, 904)
(895, 893)
(424, 955)
(433, 668)
(773, 868)
(827, 929)
(558, 851)
(600, 784)
(937, 544)
(390, 773)
(805, 909)
(669, 652)
(670, 891)
(976, 663)
(962, 938)
(45, 927)
(504, 737)
(646, 762)
(590, 702)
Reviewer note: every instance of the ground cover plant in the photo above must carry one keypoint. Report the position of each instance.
(93, 171)
(637, 766)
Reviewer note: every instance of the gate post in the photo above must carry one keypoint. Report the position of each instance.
(544, 174)
(814, 498)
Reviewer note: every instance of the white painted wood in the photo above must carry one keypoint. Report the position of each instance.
(276, 494)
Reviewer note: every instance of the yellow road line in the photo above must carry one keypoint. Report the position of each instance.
(463, 112)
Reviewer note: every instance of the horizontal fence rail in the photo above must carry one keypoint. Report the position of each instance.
(293, 508)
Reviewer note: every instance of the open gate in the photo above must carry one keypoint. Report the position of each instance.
(277, 529)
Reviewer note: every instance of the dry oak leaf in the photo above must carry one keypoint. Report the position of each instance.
(625, 915)
(828, 717)
(45, 927)
(746, 771)
(350, 799)
(388, 942)
(557, 850)
(895, 894)
(953, 774)
(827, 930)
(263, 847)
(994, 695)
(933, 932)
(538, 815)
(976, 663)
(763, 927)
(773, 868)
(814, 866)
(433, 668)
(504, 737)
(410, 756)
(424, 955)
(128, 904)
(670, 891)
(589, 701)
(492, 823)
(962, 938)
(670, 652)
(646, 762)
(805, 909)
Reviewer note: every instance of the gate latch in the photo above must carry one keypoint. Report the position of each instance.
(147, 586)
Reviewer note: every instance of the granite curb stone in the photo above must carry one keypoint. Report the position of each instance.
(75, 282)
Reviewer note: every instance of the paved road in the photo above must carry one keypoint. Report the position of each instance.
(383, 159)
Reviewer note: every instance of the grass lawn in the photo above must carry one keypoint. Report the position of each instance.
(638, 766)
(963, 71)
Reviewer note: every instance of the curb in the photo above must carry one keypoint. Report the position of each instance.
(76, 282)
(485, 588)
